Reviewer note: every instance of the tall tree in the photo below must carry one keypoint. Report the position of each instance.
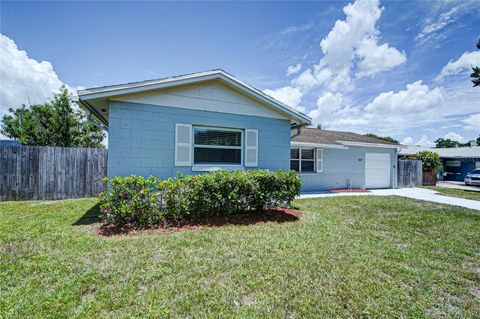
(447, 143)
(383, 138)
(55, 123)
(476, 71)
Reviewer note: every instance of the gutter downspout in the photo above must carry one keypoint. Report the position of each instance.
(94, 123)
(298, 127)
(97, 115)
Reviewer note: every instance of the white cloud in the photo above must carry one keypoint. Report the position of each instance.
(453, 136)
(435, 24)
(441, 15)
(424, 141)
(24, 80)
(293, 69)
(334, 110)
(352, 44)
(388, 113)
(407, 141)
(377, 58)
(417, 98)
(473, 122)
(289, 95)
(355, 39)
(461, 65)
(339, 45)
(294, 29)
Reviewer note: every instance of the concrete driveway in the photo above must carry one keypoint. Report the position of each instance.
(415, 193)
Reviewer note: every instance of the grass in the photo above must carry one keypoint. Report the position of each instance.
(347, 257)
(462, 193)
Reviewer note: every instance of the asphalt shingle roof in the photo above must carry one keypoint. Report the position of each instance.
(318, 136)
(460, 152)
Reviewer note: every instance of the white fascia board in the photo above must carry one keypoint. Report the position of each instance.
(141, 87)
(318, 145)
(377, 145)
(188, 79)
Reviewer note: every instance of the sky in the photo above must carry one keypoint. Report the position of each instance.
(392, 68)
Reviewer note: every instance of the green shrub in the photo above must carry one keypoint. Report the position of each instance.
(131, 200)
(142, 202)
(431, 161)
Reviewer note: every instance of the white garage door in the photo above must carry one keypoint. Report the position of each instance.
(377, 170)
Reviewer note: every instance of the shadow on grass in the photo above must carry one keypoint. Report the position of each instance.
(91, 216)
(277, 215)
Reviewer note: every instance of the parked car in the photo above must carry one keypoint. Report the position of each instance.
(473, 178)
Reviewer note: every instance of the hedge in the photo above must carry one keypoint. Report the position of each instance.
(143, 202)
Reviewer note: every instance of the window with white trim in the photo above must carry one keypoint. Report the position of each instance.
(302, 160)
(217, 146)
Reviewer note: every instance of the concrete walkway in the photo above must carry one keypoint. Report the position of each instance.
(415, 193)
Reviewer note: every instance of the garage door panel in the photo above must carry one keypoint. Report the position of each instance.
(377, 170)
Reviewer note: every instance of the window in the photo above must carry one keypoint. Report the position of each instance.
(217, 146)
(453, 167)
(302, 159)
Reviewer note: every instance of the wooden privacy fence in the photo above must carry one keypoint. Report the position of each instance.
(409, 173)
(30, 172)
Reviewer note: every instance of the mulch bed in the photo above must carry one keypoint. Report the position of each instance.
(277, 215)
(351, 190)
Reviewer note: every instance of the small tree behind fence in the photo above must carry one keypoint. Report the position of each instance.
(31, 172)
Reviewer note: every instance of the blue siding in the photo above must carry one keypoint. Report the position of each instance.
(141, 138)
(343, 165)
(467, 165)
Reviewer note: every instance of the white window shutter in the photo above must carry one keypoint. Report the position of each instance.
(251, 148)
(183, 144)
(319, 160)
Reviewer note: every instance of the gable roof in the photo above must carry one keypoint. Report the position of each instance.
(316, 136)
(454, 152)
(93, 95)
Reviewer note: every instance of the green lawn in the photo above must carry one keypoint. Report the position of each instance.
(347, 257)
(468, 194)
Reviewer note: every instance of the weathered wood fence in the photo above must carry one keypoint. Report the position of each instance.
(409, 173)
(30, 172)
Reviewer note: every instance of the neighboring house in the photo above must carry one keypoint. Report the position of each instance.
(9, 143)
(210, 120)
(457, 161)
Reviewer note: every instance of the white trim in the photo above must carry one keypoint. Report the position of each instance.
(213, 168)
(209, 165)
(189, 145)
(115, 90)
(319, 160)
(252, 148)
(378, 145)
(317, 145)
(314, 159)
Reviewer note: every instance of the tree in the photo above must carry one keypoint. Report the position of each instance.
(431, 161)
(478, 140)
(54, 123)
(447, 143)
(476, 71)
(383, 138)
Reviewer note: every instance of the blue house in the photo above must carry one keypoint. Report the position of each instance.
(211, 121)
(457, 162)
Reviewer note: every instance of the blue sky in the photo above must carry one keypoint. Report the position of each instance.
(363, 66)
